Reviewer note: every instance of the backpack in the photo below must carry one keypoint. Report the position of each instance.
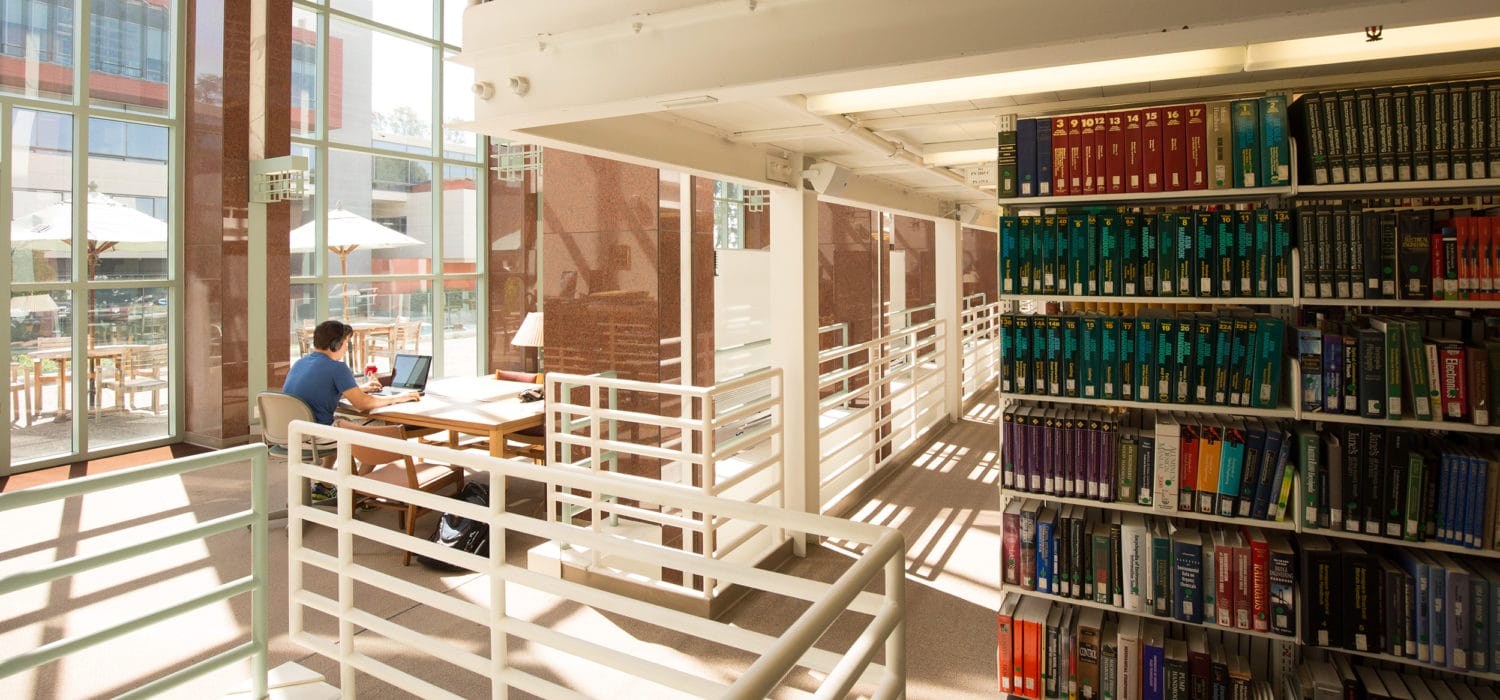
(458, 532)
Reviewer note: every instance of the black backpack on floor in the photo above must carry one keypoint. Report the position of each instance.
(458, 532)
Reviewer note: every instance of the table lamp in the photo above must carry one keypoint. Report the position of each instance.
(529, 335)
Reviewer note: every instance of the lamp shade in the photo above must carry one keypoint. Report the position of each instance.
(530, 333)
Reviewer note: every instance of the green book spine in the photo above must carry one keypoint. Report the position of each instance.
(1144, 376)
(1416, 370)
(1092, 360)
(1239, 361)
(1007, 155)
(1439, 123)
(1109, 358)
(1090, 256)
(1394, 351)
(1042, 355)
(1071, 342)
(1166, 358)
(1009, 254)
(1223, 223)
(1182, 372)
(1261, 254)
(1007, 350)
(1369, 162)
(1333, 136)
(1385, 133)
(1077, 242)
(1223, 340)
(1127, 358)
(1204, 262)
(1245, 121)
(1270, 341)
(1111, 257)
(1315, 162)
(1062, 252)
(1479, 128)
(1204, 369)
(1150, 241)
(1348, 108)
(1401, 133)
(1309, 453)
(1023, 255)
(1412, 520)
(1020, 354)
(1421, 133)
(1054, 355)
(1046, 254)
(1275, 151)
(1167, 239)
(1458, 131)
(1343, 269)
(1247, 224)
(1308, 248)
(1130, 254)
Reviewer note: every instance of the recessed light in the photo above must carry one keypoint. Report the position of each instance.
(694, 101)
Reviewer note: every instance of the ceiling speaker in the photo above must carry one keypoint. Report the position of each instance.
(827, 178)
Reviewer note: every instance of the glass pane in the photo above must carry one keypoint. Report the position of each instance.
(41, 160)
(453, 21)
(128, 201)
(130, 55)
(388, 317)
(300, 218)
(37, 40)
(304, 316)
(129, 387)
(380, 219)
(414, 16)
(460, 329)
(41, 346)
(458, 106)
(460, 219)
(305, 73)
(384, 87)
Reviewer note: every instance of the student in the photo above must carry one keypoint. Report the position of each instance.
(320, 378)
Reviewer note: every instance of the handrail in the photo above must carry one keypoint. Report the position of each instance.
(878, 615)
(256, 584)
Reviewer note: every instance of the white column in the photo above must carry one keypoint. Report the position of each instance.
(949, 247)
(794, 334)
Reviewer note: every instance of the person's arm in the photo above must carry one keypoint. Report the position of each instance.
(365, 403)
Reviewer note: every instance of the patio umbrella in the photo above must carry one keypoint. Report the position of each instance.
(348, 231)
(113, 227)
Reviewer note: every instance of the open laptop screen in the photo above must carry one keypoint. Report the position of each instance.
(410, 371)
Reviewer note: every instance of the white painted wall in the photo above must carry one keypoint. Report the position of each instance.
(742, 310)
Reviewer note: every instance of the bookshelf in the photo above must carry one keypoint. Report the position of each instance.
(1388, 199)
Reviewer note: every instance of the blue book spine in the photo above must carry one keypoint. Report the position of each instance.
(1479, 620)
(1255, 444)
(1445, 498)
(1044, 556)
(1333, 373)
(1187, 593)
(1478, 483)
(1267, 487)
(1043, 159)
(1026, 157)
(1263, 470)
(1437, 617)
(1457, 621)
(1418, 629)
(1152, 678)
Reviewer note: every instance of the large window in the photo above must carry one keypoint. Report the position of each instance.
(91, 193)
(390, 242)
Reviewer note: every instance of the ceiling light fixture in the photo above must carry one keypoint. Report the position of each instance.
(1394, 42)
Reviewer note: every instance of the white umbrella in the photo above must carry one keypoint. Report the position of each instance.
(346, 232)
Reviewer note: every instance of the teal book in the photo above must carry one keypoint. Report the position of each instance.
(1144, 376)
(1223, 268)
(1072, 340)
(1259, 254)
(1183, 368)
(1268, 355)
(1244, 122)
(1010, 248)
(1045, 249)
(1275, 151)
(1281, 253)
(1090, 258)
(1231, 466)
(1020, 354)
(1091, 358)
(1223, 341)
(1201, 388)
(1203, 261)
(1130, 254)
(1054, 355)
(1243, 277)
(1109, 358)
(1111, 256)
(1167, 236)
(1150, 242)
(1127, 358)
(1041, 354)
(1239, 361)
(1025, 235)
(1064, 253)
(1079, 255)
(1166, 358)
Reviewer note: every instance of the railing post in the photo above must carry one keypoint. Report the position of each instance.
(794, 336)
(260, 568)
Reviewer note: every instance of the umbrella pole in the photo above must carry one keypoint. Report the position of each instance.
(344, 272)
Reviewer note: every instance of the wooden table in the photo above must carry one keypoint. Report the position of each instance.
(63, 356)
(364, 332)
(470, 405)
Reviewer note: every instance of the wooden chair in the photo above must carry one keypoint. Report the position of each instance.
(144, 370)
(404, 336)
(399, 469)
(20, 393)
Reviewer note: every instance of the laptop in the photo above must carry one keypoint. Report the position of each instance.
(409, 373)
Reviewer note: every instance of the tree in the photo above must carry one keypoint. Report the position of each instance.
(401, 121)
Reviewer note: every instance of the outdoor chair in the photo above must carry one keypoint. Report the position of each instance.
(20, 393)
(144, 370)
(399, 469)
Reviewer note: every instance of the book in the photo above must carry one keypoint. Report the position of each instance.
(1090, 624)
(1174, 147)
(1281, 582)
(1274, 150)
(1026, 148)
(1187, 566)
(1007, 156)
(1196, 143)
(1128, 646)
(1175, 670)
(1245, 122)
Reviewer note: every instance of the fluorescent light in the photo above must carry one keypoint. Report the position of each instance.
(963, 157)
(694, 101)
(1122, 71)
(1395, 42)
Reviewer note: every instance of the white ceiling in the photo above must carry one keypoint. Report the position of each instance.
(596, 79)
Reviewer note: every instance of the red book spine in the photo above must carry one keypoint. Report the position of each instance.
(1197, 147)
(1493, 226)
(1244, 592)
(1060, 172)
(1224, 585)
(1005, 651)
(1465, 272)
(1435, 246)
(1486, 232)
(1174, 148)
(1077, 148)
(1100, 139)
(1151, 150)
(1187, 468)
(1012, 543)
(1114, 152)
(1086, 152)
(1451, 365)
(1133, 155)
(1260, 580)
(1032, 675)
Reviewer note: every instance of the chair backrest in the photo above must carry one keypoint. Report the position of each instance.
(367, 458)
(512, 376)
(277, 409)
(150, 361)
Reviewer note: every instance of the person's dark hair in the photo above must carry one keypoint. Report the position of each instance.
(331, 334)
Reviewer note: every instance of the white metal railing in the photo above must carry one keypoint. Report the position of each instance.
(724, 440)
(896, 395)
(981, 346)
(868, 593)
(906, 315)
(256, 584)
(974, 300)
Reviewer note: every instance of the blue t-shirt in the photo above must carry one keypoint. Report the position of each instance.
(319, 380)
